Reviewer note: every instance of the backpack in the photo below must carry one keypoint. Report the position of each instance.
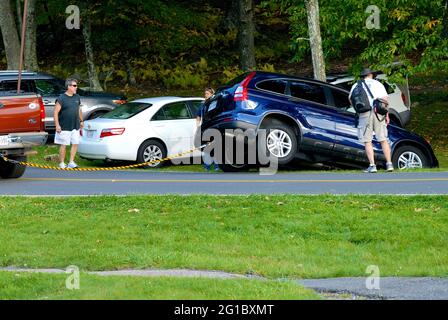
(380, 106)
(359, 99)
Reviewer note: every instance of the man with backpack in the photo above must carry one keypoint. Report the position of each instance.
(364, 96)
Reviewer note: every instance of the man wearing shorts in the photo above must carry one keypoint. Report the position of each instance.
(68, 121)
(369, 123)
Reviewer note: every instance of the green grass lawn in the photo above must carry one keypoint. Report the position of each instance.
(32, 286)
(272, 236)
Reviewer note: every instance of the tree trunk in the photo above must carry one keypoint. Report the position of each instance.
(19, 14)
(131, 77)
(445, 21)
(10, 35)
(312, 8)
(30, 38)
(246, 34)
(93, 75)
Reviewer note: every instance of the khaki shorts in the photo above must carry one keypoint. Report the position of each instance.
(369, 125)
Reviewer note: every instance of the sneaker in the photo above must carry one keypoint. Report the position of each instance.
(216, 168)
(389, 167)
(62, 165)
(72, 165)
(371, 169)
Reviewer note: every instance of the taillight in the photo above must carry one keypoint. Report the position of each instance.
(241, 93)
(112, 132)
(403, 97)
(42, 114)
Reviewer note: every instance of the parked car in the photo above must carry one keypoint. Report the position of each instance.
(21, 128)
(305, 119)
(399, 97)
(142, 130)
(50, 87)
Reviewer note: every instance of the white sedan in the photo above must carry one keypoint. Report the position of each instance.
(142, 130)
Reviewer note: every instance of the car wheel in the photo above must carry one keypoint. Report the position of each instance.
(409, 157)
(10, 170)
(281, 141)
(151, 151)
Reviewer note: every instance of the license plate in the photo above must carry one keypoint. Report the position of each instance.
(4, 140)
(90, 134)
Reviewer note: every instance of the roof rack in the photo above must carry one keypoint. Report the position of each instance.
(13, 72)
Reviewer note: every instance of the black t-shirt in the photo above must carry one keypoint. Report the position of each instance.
(69, 114)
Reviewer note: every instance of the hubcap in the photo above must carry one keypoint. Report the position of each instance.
(152, 153)
(409, 160)
(279, 143)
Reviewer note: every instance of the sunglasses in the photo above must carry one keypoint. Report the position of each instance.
(74, 85)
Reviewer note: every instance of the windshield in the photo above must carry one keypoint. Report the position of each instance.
(126, 111)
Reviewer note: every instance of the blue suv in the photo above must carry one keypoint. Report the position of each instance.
(305, 119)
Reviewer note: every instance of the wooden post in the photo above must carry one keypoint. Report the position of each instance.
(22, 47)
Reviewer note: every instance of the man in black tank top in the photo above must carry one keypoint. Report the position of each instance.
(68, 120)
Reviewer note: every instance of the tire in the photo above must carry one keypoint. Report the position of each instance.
(282, 133)
(10, 170)
(151, 150)
(409, 157)
(394, 121)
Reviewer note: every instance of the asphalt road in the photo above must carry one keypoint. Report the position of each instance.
(63, 183)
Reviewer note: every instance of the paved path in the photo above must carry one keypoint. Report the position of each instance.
(390, 288)
(42, 182)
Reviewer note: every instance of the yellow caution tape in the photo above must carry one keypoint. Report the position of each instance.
(33, 165)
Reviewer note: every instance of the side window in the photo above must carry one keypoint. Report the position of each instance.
(277, 86)
(11, 85)
(175, 111)
(49, 88)
(308, 91)
(389, 88)
(340, 99)
(195, 106)
(159, 116)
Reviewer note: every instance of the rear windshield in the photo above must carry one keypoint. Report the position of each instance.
(126, 111)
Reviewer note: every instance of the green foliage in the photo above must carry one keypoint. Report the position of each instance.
(410, 32)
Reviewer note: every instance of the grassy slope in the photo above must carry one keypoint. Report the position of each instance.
(46, 286)
(276, 236)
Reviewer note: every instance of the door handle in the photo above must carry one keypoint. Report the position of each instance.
(1, 105)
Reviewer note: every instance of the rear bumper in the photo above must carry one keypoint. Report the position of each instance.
(101, 150)
(405, 117)
(24, 140)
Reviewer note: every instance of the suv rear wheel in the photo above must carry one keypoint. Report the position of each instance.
(10, 170)
(281, 141)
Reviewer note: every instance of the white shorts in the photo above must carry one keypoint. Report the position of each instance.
(67, 138)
